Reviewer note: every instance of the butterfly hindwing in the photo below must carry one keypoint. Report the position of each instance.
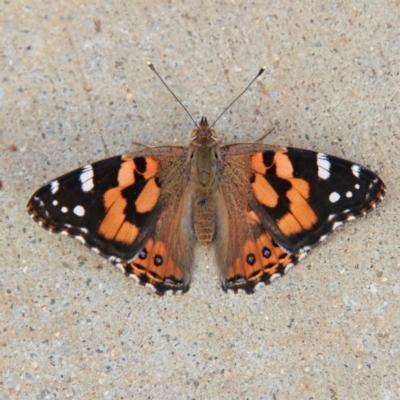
(261, 261)
(252, 257)
(155, 268)
(166, 260)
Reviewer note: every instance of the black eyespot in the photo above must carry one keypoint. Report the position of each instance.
(158, 260)
(266, 252)
(251, 259)
(202, 202)
(143, 254)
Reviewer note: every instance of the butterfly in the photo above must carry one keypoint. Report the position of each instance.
(261, 208)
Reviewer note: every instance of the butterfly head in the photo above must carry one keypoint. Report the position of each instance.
(203, 135)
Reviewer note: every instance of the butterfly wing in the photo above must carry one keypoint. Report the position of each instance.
(291, 200)
(124, 208)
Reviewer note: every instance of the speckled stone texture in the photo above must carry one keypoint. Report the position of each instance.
(75, 88)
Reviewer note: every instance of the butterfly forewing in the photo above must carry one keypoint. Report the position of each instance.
(100, 205)
(308, 194)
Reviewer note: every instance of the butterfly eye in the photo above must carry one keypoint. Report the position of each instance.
(213, 133)
(194, 133)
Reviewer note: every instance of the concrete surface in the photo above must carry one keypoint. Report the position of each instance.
(75, 88)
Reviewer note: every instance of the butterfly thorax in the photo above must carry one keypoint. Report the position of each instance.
(204, 156)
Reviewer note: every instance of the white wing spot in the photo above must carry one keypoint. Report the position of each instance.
(336, 224)
(86, 178)
(288, 267)
(334, 197)
(349, 194)
(81, 239)
(54, 186)
(55, 202)
(351, 218)
(331, 217)
(79, 211)
(274, 276)
(324, 166)
(64, 209)
(357, 186)
(302, 255)
(95, 250)
(150, 286)
(323, 237)
(258, 285)
(134, 277)
(120, 267)
(304, 249)
(356, 169)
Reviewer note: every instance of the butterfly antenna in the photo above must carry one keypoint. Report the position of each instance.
(173, 94)
(240, 95)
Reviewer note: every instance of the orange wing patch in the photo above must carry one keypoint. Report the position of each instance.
(148, 197)
(126, 174)
(114, 219)
(153, 266)
(264, 192)
(126, 171)
(260, 262)
(257, 163)
(284, 167)
(127, 233)
(281, 161)
(300, 215)
(114, 225)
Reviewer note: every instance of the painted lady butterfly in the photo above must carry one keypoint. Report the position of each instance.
(261, 207)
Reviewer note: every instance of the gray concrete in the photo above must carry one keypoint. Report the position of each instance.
(72, 92)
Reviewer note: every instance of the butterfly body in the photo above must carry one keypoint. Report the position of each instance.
(204, 186)
(261, 208)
